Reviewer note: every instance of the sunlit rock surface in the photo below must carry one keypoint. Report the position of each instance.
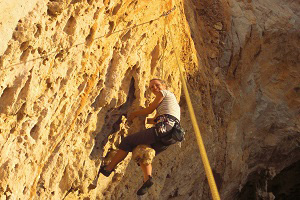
(71, 71)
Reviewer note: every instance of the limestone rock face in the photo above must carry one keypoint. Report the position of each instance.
(72, 70)
(250, 92)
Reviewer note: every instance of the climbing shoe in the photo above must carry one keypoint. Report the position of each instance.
(104, 171)
(143, 190)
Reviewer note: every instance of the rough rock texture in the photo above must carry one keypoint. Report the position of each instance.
(71, 70)
(254, 89)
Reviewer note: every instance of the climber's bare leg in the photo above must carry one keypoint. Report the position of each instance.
(147, 170)
(120, 155)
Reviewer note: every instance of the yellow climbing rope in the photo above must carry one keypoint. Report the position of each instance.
(207, 168)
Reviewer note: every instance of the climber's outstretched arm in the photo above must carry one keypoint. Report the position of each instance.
(147, 110)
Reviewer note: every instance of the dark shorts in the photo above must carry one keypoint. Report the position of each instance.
(147, 136)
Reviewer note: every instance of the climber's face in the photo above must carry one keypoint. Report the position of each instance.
(155, 86)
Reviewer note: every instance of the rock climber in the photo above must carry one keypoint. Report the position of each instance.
(168, 113)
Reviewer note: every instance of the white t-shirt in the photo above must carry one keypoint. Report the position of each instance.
(169, 105)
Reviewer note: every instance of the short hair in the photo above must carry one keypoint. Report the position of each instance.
(161, 81)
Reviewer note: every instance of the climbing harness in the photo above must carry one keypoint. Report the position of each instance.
(168, 129)
(203, 154)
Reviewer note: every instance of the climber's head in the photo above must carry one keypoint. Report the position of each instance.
(156, 85)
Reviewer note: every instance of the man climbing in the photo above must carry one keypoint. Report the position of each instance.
(168, 114)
